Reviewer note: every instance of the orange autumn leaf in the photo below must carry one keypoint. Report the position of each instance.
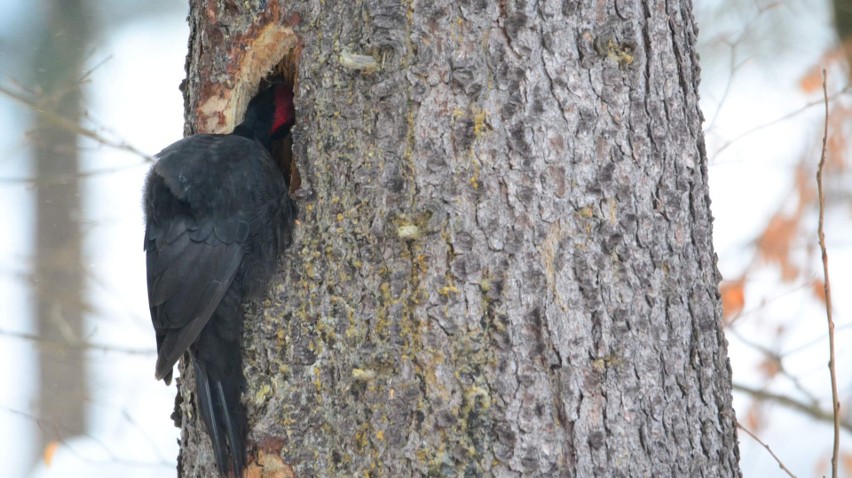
(733, 298)
(835, 160)
(812, 81)
(775, 244)
(754, 418)
(805, 187)
(821, 465)
(818, 289)
(49, 452)
(836, 147)
(770, 367)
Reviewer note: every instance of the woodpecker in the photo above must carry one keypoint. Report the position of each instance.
(217, 216)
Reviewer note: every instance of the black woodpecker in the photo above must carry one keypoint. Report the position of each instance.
(217, 216)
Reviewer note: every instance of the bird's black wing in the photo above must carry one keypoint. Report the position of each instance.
(217, 215)
(186, 281)
(193, 247)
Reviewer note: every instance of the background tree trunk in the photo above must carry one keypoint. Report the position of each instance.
(58, 268)
(504, 264)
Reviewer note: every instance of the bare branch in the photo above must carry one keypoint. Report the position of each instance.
(78, 344)
(792, 403)
(58, 430)
(72, 126)
(778, 359)
(63, 178)
(778, 460)
(787, 116)
(835, 400)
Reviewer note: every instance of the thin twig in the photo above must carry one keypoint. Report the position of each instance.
(778, 359)
(790, 402)
(77, 344)
(59, 429)
(68, 177)
(780, 464)
(72, 126)
(815, 341)
(781, 119)
(835, 400)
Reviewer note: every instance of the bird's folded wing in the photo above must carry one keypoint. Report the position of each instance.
(186, 281)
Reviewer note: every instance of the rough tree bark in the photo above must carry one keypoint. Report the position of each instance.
(504, 263)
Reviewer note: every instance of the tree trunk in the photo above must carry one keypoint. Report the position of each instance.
(504, 262)
(58, 267)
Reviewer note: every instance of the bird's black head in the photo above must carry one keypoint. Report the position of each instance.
(269, 115)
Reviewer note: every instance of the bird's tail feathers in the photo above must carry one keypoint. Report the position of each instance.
(221, 413)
